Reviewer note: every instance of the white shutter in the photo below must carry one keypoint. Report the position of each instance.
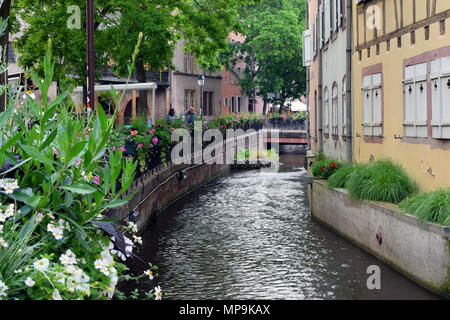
(416, 101)
(326, 112)
(327, 20)
(321, 31)
(339, 15)
(344, 102)
(314, 40)
(307, 48)
(440, 88)
(367, 105)
(421, 101)
(376, 105)
(410, 108)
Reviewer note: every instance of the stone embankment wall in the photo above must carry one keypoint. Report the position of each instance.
(421, 252)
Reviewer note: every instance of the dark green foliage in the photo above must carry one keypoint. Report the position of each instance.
(431, 207)
(383, 180)
(341, 176)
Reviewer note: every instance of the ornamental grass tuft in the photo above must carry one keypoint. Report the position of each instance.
(431, 207)
(383, 180)
(340, 177)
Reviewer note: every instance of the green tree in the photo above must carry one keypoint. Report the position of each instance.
(203, 24)
(272, 50)
(45, 19)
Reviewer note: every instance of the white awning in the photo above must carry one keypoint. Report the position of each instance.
(122, 87)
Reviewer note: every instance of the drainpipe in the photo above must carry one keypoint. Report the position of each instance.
(308, 122)
(320, 106)
(348, 85)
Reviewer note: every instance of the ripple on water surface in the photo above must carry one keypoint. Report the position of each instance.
(249, 235)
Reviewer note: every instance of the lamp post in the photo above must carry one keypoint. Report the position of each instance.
(90, 52)
(201, 84)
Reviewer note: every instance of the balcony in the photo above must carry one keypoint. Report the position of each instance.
(160, 78)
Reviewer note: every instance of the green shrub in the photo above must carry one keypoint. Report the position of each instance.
(431, 207)
(341, 176)
(383, 180)
(324, 168)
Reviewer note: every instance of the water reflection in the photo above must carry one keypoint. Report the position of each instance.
(249, 235)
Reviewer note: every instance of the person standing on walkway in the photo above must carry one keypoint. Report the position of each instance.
(171, 116)
(191, 116)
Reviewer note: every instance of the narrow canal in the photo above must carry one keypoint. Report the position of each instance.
(249, 235)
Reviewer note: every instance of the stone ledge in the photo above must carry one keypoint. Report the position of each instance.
(392, 210)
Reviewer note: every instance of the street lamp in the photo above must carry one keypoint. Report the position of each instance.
(201, 84)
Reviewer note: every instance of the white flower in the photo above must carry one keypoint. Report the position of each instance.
(9, 213)
(39, 217)
(41, 265)
(51, 227)
(18, 271)
(8, 190)
(158, 293)
(2, 217)
(58, 233)
(68, 258)
(99, 264)
(3, 289)
(3, 243)
(1, 228)
(29, 282)
(132, 226)
(137, 239)
(56, 295)
(149, 273)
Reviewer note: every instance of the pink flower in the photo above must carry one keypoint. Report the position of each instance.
(87, 137)
(96, 180)
(155, 141)
(114, 148)
(140, 145)
(78, 161)
(122, 149)
(134, 133)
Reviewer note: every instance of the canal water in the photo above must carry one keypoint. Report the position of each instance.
(249, 235)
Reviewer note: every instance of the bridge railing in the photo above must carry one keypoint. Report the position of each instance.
(298, 125)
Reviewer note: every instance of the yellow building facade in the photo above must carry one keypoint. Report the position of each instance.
(401, 86)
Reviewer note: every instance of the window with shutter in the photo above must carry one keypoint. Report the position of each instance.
(367, 105)
(334, 112)
(327, 10)
(416, 101)
(193, 94)
(344, 107)
(186, 100)
(326, 112)
(185, 67)
(307, 48)
(372, 105)
(192, 63)
(440, 87)
(314, 39)
(339, 13)
(321, 28)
